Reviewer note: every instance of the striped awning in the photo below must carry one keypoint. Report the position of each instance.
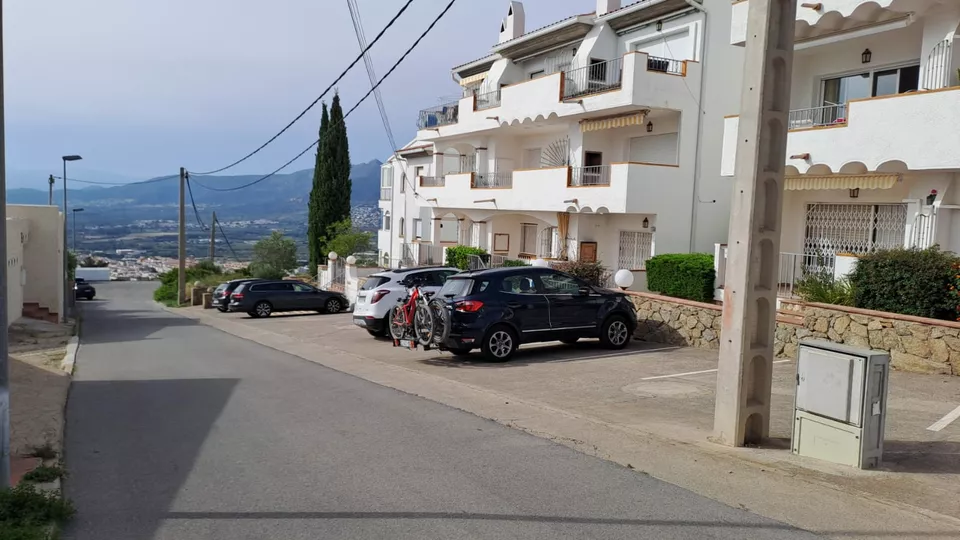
(841, 181)
(611, 122)
(473, 79)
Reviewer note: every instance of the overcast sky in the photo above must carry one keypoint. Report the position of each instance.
(140, 88)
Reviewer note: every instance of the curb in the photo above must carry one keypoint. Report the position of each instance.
(69, 362)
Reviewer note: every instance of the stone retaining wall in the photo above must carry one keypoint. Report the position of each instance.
(915, 344)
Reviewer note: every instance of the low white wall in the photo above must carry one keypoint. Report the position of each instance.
(42, 255)
(17, 236)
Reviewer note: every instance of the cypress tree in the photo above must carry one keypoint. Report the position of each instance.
(335, 184)
(315, 228)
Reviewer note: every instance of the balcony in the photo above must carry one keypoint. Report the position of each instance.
(488, 100)
(432, 181)
(386, 193)
(593, 79)
(441, 115)
(589, 176)
(496, 180)
(916, 131)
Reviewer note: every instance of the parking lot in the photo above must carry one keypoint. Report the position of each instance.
(664, 391)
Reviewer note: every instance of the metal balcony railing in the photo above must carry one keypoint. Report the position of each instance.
(488, 100)
(441, 115)
(593, 79)
(666, 65)
(386, 193)
(590, 176)
(492, 180)
(432, 181)
(818, 116)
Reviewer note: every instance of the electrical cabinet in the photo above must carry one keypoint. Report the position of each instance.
(841, 403)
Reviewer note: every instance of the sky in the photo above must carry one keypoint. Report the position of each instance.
(141, 88)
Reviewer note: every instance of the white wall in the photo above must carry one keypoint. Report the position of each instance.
(18, 231)
(43, 255)
(680, 39)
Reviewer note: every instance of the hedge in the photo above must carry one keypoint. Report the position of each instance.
(682, 275)
(459, 256)
(907, 281)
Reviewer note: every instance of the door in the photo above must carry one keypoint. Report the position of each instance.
(281, 295)
(306, 297)
(592, 168)
(525, 305)
(588, 252)
(569, 309)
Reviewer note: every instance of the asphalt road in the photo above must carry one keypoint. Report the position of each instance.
(178, 431)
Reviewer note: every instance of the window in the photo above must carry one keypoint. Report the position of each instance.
(400, 234)
(560, 284)
(419, 171)
(303, 288)
(454, 288)
(417, 228)
(852, 228)
(528, 238)
(538, 73)
(520, 284)
(272, 287)
(842, 90)
(373, 282)
(386, 221)
(636, 248)
(386, 183)
(598, 70)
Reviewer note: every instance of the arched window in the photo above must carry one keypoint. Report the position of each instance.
(401, 228)
(386, 221)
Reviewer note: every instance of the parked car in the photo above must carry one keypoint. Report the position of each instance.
(82, 289)
(262, 298)
(221, 295)
(383, 290)
(498, 310)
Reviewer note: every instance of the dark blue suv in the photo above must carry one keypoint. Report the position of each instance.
(497, 310)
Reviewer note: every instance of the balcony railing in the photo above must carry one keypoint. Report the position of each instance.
(441, 115)
(432, 181)
(792, 268)
(590, 176)
(386, 193)
(492, 180)
(666, 65)
(829, 115)
(488, 100)
(593, 79)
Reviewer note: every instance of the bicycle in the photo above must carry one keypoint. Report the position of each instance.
(413, 319)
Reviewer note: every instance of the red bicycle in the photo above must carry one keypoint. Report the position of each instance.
(412, 319)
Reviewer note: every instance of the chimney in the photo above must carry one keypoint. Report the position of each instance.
(512, 26)
(606, 6)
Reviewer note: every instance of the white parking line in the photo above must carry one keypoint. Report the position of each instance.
(698, 373)
(946, 420)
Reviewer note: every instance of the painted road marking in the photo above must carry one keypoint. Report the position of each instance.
(701, 373)
(946, 420)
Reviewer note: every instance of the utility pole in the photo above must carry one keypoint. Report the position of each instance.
(213, 237)
(4, 364)
(742, 414)
(182, 253)
(50, 201)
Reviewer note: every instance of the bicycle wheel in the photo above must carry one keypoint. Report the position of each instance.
(423, 329)
(441, 319)
(397, 322)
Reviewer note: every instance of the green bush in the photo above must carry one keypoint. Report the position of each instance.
(459, 256)
(206, 272)
(593, 273)
(907, 281)
(821, 287)
(682, 275)
(514, 263)
(25, 509)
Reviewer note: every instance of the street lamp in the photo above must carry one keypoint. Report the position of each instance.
(75, 210)
(66, 259)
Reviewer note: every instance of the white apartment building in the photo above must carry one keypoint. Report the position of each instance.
(873, 150)
(596, 137)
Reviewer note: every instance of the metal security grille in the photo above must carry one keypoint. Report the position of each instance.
(922, 233)
(853, 228)
(635, 249)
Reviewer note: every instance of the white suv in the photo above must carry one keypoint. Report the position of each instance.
(383, 290)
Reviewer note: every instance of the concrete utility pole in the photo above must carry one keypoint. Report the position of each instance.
(750, 293)
(213, 237)
(182, 253)
(50, 201)
(4, 363)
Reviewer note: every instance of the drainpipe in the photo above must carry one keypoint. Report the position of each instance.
(695, 200)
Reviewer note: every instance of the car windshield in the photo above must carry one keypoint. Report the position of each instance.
(373, 282)
(455, 287)
(221, 287)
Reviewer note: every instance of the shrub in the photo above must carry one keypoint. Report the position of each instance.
(821, 287)
(593, 273)
(907, 281)
(682, 275)
(459, 256)
(514, 263)
(27, 506)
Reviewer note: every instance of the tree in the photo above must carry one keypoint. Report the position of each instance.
(90, 262)
(274, 256)
(315, 228)
(71, 265)
(334, 185)
(345, 240)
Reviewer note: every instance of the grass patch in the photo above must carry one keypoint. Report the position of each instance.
(44, 474)
(27, 513)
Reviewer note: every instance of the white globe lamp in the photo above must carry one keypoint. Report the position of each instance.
(351, 260)
(540, 263)
(623, 279)
(332, 255)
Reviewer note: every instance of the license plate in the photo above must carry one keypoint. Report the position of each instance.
(408, 344)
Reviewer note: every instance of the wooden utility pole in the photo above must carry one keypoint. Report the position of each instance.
(182, 253)
(213, 237)
(745, 373)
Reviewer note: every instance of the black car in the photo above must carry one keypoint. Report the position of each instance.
(497, 310)
(261, 298)
(221, 295)
(82, 289)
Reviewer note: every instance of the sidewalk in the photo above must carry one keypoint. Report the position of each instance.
(651, 408)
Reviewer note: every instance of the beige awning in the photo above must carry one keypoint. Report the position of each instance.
(632, 119)
(473, 79)
(841, 181)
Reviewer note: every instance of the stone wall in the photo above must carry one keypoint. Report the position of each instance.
(915, 344)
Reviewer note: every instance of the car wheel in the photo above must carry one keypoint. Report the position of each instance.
(262, 309)
(569, 340)
(615, 333)
(333, 305)
(499, 344)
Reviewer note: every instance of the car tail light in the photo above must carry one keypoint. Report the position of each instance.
(468, 306)
(377, 296)
(237, 296)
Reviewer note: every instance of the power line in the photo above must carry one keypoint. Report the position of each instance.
(364, 98)
(312, 105)
(227, 240)
(194, 204)
(99, 183)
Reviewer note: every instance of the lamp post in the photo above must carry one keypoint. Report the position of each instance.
(66, 270)
(75, 210)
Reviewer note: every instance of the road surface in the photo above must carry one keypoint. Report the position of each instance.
(178, 431)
